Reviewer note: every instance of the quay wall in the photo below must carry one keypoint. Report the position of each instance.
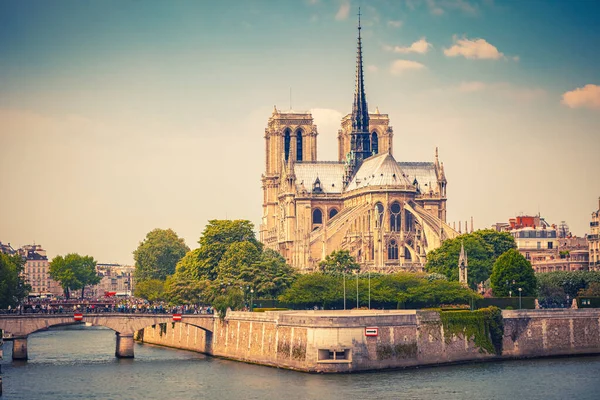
(329, 341)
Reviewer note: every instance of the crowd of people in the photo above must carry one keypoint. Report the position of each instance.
(129, 305)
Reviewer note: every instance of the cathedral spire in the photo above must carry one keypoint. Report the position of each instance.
(360, 112)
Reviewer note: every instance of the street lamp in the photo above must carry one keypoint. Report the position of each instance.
(251, 298)
(520, 290)
(357, 306)
(568, 305)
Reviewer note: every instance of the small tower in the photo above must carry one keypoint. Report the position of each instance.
(463, 266)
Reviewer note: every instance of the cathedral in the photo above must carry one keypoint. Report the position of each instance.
(388, 214)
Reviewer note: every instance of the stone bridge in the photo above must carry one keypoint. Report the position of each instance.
(124, 325)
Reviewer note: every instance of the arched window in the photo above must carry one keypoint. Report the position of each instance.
(366, 144)
(286, 143)
(409, 221)
(299, 145)
(407, 255)
(393, 250)
(395, 217)
(332, 213)
(374, 143)
(379, 215)
(317, 216)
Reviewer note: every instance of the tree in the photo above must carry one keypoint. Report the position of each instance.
(150, 289)
(339, 262)
(157, 255)
(313, 289)
(483, 247)
(593, 290)
(274, 274)
(178, 290)
(513, 267)
(74, 272)
(13, 288)
(215, 241)
(237, 265)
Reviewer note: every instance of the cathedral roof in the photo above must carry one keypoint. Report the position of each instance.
(379, 170)
(423, 172)
(330, 175)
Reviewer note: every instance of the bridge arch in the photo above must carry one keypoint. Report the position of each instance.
(124, 325)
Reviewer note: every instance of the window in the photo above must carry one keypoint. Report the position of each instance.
(374, 143)
(408, 221)
(539, 245)
(332, 213)
(333, 355)
(549, 245)
(379, 213)
(317, 216)
(393, 250)
(407, 255)
(299, 145)
(286, 143)
(395, 217)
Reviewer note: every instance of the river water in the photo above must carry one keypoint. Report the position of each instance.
(78, 362)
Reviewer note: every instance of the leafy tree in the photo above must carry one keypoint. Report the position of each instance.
(512, 266)
(185, 291)
(74, 272)
(501, 242)
(483, 247)
(439, 292)
(593, 290)
(215, 241)
(554, 287)
(339, 262)
(157, 255)
(237, 265)
(274, 275)
(150, 289)
(13, 288)
(231, 298)
(313, 289)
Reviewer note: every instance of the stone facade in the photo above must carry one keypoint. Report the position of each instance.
(388, 214)
(329, 341)
(594, 240)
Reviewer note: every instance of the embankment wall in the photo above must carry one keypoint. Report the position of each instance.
(328, 341)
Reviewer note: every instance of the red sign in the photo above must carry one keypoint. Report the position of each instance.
(176, 317)
(371, 331)
(78, 316)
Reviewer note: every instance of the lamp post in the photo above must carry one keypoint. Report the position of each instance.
(251, 298)
(344, 279)
(357, 306)
(568, 305)
(520, 290)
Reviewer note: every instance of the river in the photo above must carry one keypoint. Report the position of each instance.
(78, 362)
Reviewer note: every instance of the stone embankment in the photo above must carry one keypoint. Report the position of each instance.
(346, 341)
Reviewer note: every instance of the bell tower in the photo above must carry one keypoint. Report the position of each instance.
(290, 137)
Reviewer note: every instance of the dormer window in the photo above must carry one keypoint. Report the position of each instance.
(317, 186)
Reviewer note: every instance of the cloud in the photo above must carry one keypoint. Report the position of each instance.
(478, 49)
(474, 86)
(394, 24)
(372, 68)
(439, 7)
(586, 97)
(343, 12)
(503, 89)
(421, 46)
(399, 66)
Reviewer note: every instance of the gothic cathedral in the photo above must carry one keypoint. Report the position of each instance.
(388, 214)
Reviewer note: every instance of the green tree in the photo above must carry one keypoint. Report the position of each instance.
(150, 289)
(157, 256)
(313, 289)
(74, 272)
(512, 266)
(274, 275)
(237, 265)
(339, 262)
(13, 288)
(483, 247)
(187, 291)
(215, 241)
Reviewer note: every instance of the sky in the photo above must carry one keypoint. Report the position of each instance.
(119, 117)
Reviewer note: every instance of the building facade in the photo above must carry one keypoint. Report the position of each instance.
(594, 240)
(116, 279)
(37, 271)
(388, 214)
(547, 247)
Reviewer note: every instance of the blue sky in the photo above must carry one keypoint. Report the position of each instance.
(117, 117)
